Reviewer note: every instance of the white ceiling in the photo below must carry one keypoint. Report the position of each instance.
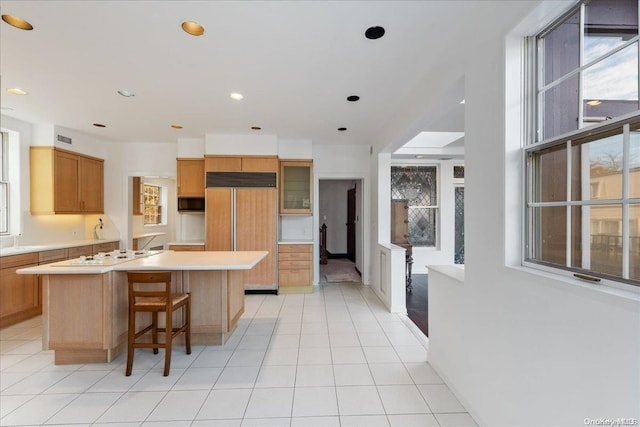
(294, 61)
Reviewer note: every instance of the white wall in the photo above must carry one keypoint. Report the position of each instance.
(522, 348)
(145, 159)
(345, 162)
(239, 144)
(41, 229)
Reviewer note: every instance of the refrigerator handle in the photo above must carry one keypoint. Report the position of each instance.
(233, 219)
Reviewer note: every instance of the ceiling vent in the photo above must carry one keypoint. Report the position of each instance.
(64, 139)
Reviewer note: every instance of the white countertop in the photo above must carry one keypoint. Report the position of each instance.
(167, 260)
(187, 242)
(295, 242)
(143, 235)
(51, 246)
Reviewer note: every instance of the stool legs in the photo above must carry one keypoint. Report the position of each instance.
(187, 338)
(130, 340)
(154, 330)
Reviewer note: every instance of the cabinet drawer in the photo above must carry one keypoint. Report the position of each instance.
(186, 247)
(291, 256)
(105, 247)
(294, 264)
(295, 248)
(18, 260)
(80, 251)
(53, 255)
(294, 277)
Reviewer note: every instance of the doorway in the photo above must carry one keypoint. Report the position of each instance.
(339, 209)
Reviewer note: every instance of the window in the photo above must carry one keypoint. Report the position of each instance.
(152, 205)
(583, 163)
(418, 185)
(4, 184)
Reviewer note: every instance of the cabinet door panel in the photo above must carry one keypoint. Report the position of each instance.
(223, 164)
(18, 292)
(218, 219)
(191, 177)
(65, 182)
(259, 164)
(91, 185)
(256, 219)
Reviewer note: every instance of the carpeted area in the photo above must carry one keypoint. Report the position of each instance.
(339, 278)
(340, 270)
(417, 302)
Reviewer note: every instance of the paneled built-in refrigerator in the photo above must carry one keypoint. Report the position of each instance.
(242, 215)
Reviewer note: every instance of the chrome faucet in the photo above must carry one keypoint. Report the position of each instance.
(95, 229)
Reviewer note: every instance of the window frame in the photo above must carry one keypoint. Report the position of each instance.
(5, 224)
(159, 204)
(533, 129)
(436, 207)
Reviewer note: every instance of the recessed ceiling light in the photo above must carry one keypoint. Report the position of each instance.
(462, 102)
(19, 23)
(353, 98)
(342, 129)
(176, 126)
(17, 91)
(99, 125)
(126, 93)
(256, 128)
(193, 28)
(236, 96)
(419, 156)
(374, 33)
(594, 102)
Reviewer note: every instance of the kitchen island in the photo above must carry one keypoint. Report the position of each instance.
(85, 306)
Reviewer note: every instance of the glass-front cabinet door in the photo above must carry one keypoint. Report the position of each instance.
(296, 187)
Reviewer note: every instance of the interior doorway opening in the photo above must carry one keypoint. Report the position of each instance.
(340, 213)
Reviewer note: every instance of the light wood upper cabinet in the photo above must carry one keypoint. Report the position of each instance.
(65, 182)
(91, 185)
(222, 164)
(296, 187)
(260, 164)
(241, 164)
(191, 177)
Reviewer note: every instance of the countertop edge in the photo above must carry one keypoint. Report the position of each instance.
(9, 251)
(140, 264)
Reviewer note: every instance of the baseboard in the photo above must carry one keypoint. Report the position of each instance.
(261, 291)
(335, 256)
(358, 271)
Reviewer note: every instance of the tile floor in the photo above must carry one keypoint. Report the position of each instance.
(332, 358)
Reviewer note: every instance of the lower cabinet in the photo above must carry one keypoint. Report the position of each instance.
(19, 293)
(295, 268)
(185, 247)
(105, 247)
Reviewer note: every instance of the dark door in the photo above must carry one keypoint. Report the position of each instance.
(351, 224)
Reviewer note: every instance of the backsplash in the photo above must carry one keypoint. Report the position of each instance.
(44, 229)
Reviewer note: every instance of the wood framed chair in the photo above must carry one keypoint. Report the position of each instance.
(144, 297)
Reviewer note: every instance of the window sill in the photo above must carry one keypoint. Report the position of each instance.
(631, 294)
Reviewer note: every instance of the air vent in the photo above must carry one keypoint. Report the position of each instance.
(64, 139)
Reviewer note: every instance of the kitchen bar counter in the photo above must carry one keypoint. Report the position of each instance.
(85, 307)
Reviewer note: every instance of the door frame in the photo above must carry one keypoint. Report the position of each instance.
(362, 224)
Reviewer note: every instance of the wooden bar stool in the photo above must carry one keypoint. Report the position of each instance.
(156, 300)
